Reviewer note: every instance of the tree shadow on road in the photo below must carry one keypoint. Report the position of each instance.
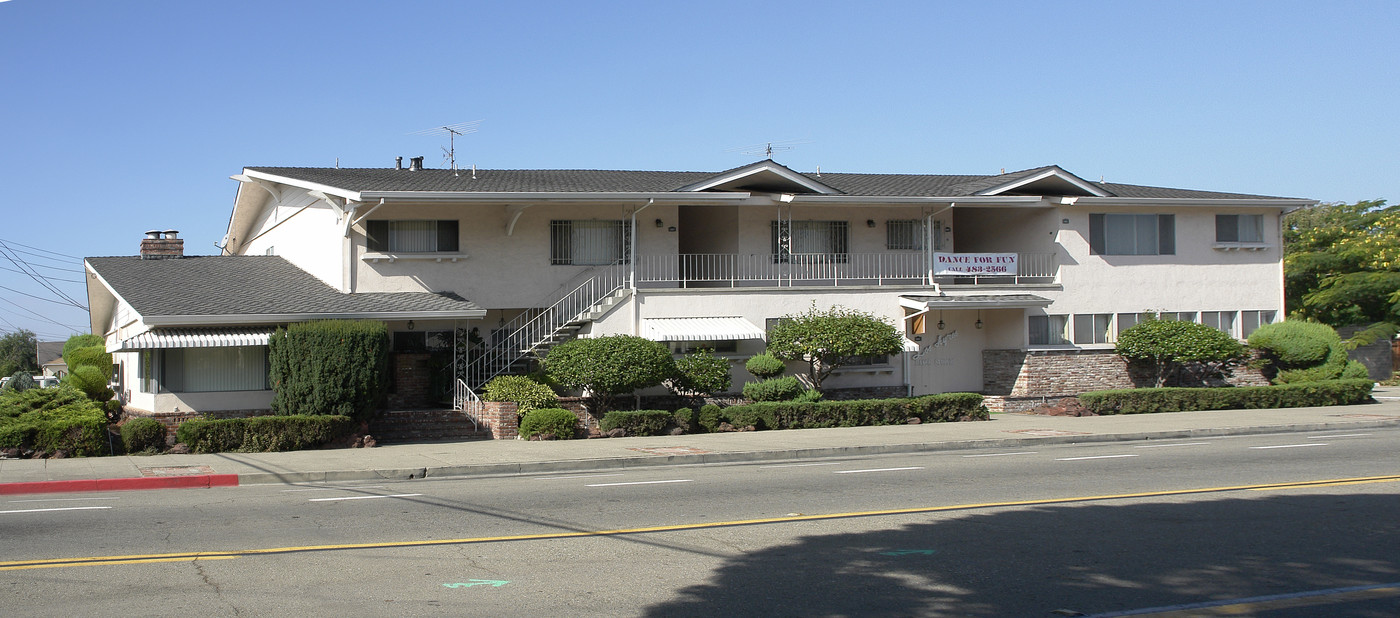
(1095, 557)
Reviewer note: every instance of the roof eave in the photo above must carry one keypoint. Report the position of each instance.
(1284, 203)
(552, 196)
(1019, 200)
(280, 318)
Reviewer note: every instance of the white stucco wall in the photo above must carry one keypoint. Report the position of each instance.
(303, 230)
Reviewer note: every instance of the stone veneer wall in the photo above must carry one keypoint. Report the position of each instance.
(1017, 380)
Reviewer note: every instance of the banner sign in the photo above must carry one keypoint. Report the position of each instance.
(974, 264)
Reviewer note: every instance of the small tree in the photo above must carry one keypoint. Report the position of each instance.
(605, 367)
(827, 340)
(19, 351)
(700, 373)
(329, 367)
(1167, 345)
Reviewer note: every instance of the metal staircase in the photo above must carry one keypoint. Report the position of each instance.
(531, 334)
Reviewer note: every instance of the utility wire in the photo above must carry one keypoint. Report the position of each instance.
(49, 278)
(40, 279)
(71, 257)
(47, 300)
(22, 308)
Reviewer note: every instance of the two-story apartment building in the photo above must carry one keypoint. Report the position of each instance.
(988, 276)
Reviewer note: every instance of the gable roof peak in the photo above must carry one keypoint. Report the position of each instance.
(765, 175)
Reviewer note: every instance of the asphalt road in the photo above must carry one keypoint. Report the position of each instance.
(1240, 522)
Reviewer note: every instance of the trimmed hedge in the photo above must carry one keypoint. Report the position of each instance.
(558, 422)
(261, 434)
(142, 434)
(857, 413)
(785, 388)
(1151, 400)
(526, 393)
(638, 422)
(329, 367)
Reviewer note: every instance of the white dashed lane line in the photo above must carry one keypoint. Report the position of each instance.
(1170, 445)
(573, 476)
(1290, 445)
(69, 508)
(878, 470)
(641, 483)
(1002, 454)
(1093, 457)
(1344, 435)
(362, 497)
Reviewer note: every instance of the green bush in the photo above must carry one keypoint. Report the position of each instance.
(1148, 401)
(20, 381)
(331, 367)
(1297, 352)
(80, 341)
(143, 434)
(764, 366)
(526, 393)
(700, 373)
(687, 419)
(262, 434)
(89, 356)
(558, 422)
(1168, 345)
(710, 417)
(91, 381)
(858, 413)
(785, 388)
(606, 367)
(637, 422)
(53, 419)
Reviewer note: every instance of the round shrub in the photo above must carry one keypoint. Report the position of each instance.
(524, 392)
(1303, 352)
(700, 373)
(710, 417)
(558, 422)
(764, 366)
(143, 434)
(686, 419)
(20, 381)
(785, 388)
(637, 422)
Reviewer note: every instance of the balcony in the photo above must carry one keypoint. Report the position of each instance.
(701, 270)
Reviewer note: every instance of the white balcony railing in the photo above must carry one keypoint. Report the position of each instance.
(809, 269)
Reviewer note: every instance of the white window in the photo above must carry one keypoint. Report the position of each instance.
(904, 235)
(1092, 328)
(1114, 234)
(717, 346)
(590, 242)
(1048, 329)
(1177, 316)
(1223, 321)
(1250, 321)
(1129, 320)
(203, 370)
(411, 236)
(1239, 228)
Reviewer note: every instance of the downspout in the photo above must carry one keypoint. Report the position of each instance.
(931, 241)
(632, 273)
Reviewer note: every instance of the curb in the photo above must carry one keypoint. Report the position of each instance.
(161, 482)
(615, 463)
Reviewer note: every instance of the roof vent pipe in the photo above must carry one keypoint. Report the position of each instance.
(398, 163)
(415, 164)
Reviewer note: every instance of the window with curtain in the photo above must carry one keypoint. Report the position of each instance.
(411, 236)
(904, 235)
(1092, 328)
(590, 242)
(204, 370)
(1239, 228)
(1048, 329)
(1114, 234)
(821, 240)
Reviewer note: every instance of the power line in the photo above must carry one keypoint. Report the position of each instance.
(22, 308)
(50, 278)
(73, 257)
(40, 279)
(47, 300)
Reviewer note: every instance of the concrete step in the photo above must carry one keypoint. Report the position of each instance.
(403, 426)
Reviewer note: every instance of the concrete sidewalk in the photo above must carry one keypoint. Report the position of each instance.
(482, 458)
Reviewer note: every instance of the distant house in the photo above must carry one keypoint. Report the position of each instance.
(50, 358)
(1014, 285)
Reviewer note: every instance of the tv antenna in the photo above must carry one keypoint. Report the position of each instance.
(766, 149)
(449, 154)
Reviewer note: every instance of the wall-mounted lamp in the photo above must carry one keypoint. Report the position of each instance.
(410, 325)
(671, 229)
(979, 320)
(869, 223)
(947, 229)
(1064, 221)
(659, 223)
(941, 325)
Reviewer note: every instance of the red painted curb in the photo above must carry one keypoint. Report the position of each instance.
(160, 482)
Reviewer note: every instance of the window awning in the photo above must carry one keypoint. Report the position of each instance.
(978, 301)
(196, 338)
(700, 329)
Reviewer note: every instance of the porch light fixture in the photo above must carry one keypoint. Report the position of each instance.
(979, 320)
(869, 223)
(941, 325)
(659, 223)
(410, 325)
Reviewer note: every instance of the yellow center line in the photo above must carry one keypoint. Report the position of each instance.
(14, 565)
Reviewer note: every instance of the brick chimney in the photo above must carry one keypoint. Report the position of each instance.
(160, 245)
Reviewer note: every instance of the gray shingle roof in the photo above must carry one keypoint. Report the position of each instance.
(629, 181)
(248, 286)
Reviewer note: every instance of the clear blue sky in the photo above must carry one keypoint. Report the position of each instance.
(119, 117)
